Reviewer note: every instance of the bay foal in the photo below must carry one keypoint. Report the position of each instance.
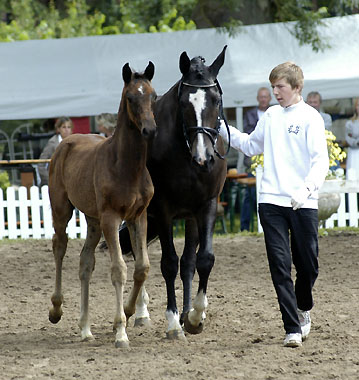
(108, 181)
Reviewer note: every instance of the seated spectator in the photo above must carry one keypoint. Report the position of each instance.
(63, 128)
(106, 124)
(314, 99)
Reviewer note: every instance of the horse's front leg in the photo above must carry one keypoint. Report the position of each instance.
(169, 269)
(205, 260)
(138, 298)
(109, 225)
(188, 264)
(87, 265)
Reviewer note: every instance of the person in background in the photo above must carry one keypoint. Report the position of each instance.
(250, 121)
(314, 99)
(63, 128)
(292, 137)
(352, 139)
(106, 124)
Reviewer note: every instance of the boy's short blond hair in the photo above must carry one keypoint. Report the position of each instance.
(289, 71)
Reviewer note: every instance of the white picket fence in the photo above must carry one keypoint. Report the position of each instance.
(30, 217)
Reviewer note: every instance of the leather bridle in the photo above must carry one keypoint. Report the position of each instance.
(212, 133)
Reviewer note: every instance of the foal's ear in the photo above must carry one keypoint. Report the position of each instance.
(150, 71)
(126, 73)
(218, 62)
(184, 63)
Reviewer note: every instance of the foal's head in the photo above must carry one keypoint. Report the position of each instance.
(139, 97)
(201, 104)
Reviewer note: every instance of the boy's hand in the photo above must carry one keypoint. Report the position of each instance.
(300, 196)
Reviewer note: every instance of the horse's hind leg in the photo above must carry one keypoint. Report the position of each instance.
(87, 265)
(204, 263)
(138, 298)
(61, 216)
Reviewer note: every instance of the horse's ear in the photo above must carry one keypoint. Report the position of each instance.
(218, 62)
(126, 73)
(150, 71)
(184, 63)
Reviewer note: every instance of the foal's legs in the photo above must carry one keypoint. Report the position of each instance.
(138, 298)
(204, 264)
(61, 215)
(87, 265)
(109, 224)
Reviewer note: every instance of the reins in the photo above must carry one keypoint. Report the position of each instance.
(212, 133)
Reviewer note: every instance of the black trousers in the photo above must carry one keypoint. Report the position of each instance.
(302, 224)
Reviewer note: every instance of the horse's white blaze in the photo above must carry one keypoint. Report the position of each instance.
(141, 304)
(197, 314)
(198, 100)
(140, 89)
(173, 321)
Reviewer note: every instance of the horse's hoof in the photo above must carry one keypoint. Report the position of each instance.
(190, 328)
(54, 317)
(176, 335)
(122, 344)
(143, 322)
(87, 338)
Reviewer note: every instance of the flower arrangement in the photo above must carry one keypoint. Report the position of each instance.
(335, 153)
(4, 180)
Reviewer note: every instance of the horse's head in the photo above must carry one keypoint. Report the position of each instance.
(139, 97)
(200, 99)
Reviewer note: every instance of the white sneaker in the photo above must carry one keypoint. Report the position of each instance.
(305, 323)
(293, 340)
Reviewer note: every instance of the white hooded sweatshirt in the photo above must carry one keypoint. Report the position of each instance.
(295, 152)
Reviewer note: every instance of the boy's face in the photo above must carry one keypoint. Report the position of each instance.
(284, 93)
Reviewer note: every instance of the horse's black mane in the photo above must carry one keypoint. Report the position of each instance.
(198, 68)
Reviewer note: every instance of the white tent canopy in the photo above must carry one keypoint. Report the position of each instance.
(83, 76)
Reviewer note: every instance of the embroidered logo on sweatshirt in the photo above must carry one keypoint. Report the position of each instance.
(293, 129)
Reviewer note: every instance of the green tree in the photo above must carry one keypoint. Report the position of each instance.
(32, 19)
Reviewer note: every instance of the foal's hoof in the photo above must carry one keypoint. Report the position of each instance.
(54, 317)
(176, 335)
(122, 344)
(190, 328)
(143, 322)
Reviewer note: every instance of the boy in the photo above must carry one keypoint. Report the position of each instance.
(291, 136)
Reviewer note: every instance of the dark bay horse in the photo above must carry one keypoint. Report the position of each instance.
(188, 172)
(107, 179)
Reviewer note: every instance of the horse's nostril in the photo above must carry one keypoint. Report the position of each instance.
(145, 132)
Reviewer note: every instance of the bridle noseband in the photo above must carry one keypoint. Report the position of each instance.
(212, 133)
